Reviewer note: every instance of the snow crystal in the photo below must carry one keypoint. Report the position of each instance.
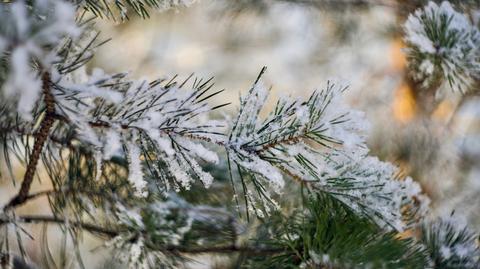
(446, 252)
(163, 143)
(89, 88)
(168, 4)
(84, 131)
(19, 11)
(247, 118)
(98, 165)
(197, 149)
(265, 169)
(178, 171)
(135, 172)
(412, 188)
(135, 252)
(416, 36)
(302, 114)
(427, 67)
(204, 177)
(22, 82)
(112, 145)
(350, 132)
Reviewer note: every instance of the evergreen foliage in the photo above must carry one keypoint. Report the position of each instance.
(154, 171)
(119, 9)
(443, 46)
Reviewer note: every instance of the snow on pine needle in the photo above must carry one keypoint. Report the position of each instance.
(123, 9)
(135, 170)
(28, 36)
(373, 188)
(450, 243)
(165, 224)
(320, 143)
(158, 125)
(443, 45)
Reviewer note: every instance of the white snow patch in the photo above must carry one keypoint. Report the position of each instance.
(135, 172)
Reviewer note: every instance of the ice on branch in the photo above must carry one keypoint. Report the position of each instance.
(320, 142)
(31, 33)
(443, 45)
(166, 119)
(135, 170)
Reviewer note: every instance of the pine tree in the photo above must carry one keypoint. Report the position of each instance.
(156, 172)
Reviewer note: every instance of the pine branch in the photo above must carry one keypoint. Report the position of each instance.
(450, 243)
(39, 194)
(122, 8)
(166, 132)
(111, 233)
(49, 193)
(40, 140)
(324, 233)
(53, 219)
(319, 143)
(442, 48)
(246, 250)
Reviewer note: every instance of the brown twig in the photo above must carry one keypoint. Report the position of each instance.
(92, 228)
(52, 219)
(40, 139)
(248, 250)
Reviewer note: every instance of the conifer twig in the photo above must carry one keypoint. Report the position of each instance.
(249, 250)
(53, 219)
(40, 139)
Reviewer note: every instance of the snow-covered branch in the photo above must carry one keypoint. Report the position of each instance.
(320, 142)
(443, 45)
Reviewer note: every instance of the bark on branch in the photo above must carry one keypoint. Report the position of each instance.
(92, 228)
(40, 139)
